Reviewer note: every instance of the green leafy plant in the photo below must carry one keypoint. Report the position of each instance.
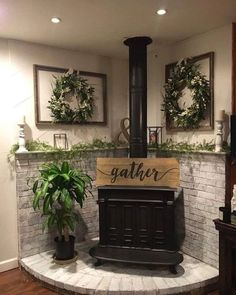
(56, 191)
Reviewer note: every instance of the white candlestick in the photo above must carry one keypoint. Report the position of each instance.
(219, 136)
(21, 120)
(233, 200)
(220, 115)
(21, 139)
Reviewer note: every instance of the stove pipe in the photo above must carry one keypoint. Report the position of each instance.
(138, 95)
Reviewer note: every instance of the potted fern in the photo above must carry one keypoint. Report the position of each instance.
(56, 191)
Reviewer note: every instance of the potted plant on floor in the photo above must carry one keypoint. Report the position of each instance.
(56, 191)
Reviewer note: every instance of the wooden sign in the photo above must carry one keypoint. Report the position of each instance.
(138, 171)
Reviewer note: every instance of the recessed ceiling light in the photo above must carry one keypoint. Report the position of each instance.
(161, 11)
(55, 20)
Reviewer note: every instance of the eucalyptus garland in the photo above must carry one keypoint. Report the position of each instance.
(71, 85)
(186, 74)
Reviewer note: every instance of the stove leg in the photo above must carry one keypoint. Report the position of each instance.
(98, 262)
(172, 269)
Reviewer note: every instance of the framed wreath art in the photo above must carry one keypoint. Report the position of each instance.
(67, 86)
(64, 96)
(188, 97)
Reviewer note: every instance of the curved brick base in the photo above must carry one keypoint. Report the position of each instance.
(194, 276)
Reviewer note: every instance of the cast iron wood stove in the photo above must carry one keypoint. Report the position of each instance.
(136, 223)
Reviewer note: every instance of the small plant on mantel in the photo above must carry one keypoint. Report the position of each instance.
(56, 191)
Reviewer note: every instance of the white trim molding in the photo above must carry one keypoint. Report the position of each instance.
(8, 264)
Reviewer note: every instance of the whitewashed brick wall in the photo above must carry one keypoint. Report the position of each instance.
(31, 239)
(202, 179)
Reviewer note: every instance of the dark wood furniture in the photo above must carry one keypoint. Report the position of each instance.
(227, 254)
(137, 225)
(234, 69)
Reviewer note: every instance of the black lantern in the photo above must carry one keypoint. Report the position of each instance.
(60, 141)
(154, 135)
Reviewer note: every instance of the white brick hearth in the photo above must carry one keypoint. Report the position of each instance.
(83, 277)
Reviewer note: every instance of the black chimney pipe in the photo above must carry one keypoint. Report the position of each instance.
(138, 95)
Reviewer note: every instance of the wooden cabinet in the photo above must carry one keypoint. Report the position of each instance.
(140, 219)
(227, 256)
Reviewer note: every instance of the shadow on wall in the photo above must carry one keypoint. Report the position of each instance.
(81, 230)
(226, 130)
(179, 218)
(28, 132)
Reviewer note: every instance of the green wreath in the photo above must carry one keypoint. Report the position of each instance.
(186, 74)
(66, 86)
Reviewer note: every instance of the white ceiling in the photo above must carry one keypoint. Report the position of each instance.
(100, 26)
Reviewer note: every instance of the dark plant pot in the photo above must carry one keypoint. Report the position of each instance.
(65, 249)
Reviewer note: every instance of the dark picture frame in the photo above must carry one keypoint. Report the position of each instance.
(205, 61)
(43, 83)
(99, 82)
(43, 79)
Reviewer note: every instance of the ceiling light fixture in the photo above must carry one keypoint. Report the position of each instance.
(55, 20)
(161, 11)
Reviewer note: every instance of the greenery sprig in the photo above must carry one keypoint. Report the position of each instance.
(186, 74)
(185, 147)
(76, 149)
(36, 145)
(71, 85)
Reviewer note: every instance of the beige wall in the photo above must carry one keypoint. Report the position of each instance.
(23, 56)
(157, 60)
(219, 41)
(17, 99)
